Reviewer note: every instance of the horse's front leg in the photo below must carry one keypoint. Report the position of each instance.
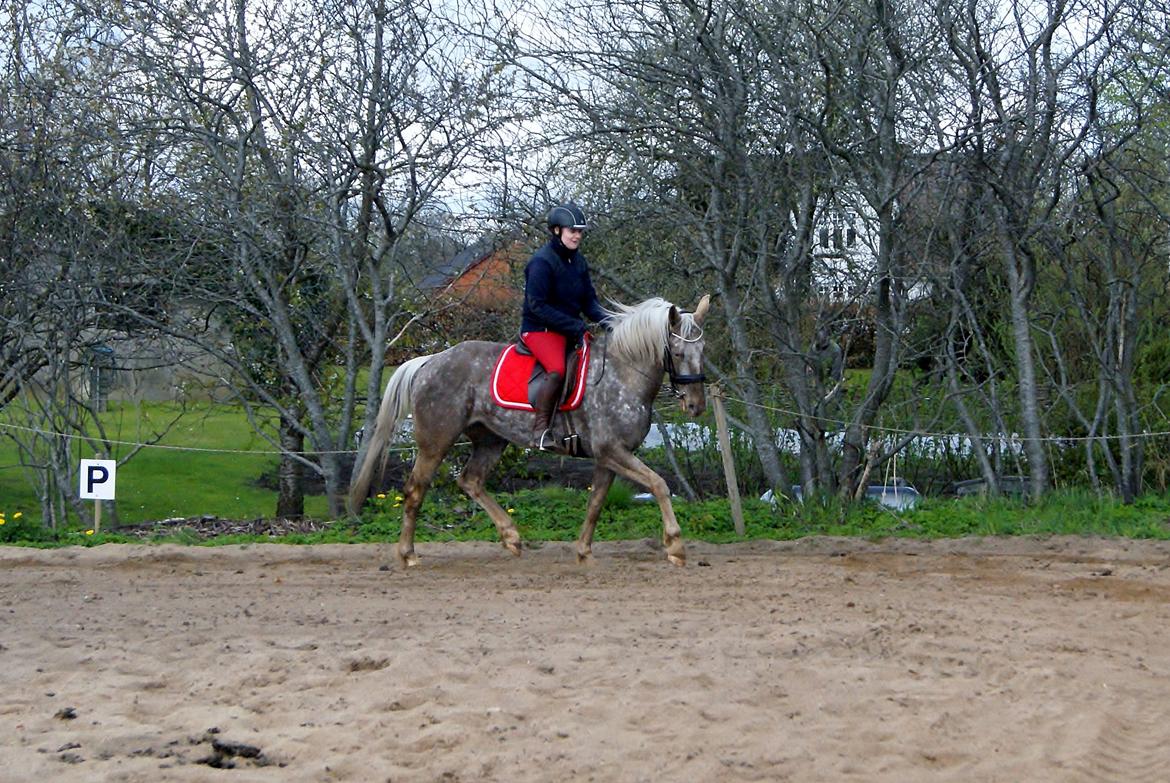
(602, 479)
(628, 466)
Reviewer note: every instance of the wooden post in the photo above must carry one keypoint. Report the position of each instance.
(97, 505)
(728, 461)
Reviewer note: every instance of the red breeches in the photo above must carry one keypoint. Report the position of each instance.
(548, 348)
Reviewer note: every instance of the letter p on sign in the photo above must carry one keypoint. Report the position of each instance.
(97, 479)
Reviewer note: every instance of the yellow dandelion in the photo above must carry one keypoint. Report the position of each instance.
(398, 498)
(396, 505)
(511, 511)
(17, 515)
(381, 496)
(89, 532)
(1, 520)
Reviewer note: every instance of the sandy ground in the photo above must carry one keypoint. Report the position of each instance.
(818, 660)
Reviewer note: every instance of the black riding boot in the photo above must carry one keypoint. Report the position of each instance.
(546, 397)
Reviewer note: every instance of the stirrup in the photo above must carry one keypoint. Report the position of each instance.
(548, 442)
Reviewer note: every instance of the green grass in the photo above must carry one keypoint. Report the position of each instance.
(161, 483)
(555, 514)
(206, 470)
(213, 471)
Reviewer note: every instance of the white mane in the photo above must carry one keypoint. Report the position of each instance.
(640, 331)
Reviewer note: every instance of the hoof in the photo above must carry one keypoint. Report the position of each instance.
(678, 560)
(513, 547)
(585, 558)
(407, 559)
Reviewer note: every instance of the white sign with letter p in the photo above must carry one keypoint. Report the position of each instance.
(97, 479)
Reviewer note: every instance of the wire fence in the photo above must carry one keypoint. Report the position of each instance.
(827, 423)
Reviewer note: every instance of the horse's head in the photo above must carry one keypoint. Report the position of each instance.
(684, 357)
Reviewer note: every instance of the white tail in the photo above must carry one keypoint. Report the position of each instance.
(396, 405)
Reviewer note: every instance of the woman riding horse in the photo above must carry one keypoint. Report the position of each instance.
(558, 290)
(450, 397)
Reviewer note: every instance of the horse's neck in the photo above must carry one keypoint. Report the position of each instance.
(641, 380)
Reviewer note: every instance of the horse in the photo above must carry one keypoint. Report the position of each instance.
(450, 397)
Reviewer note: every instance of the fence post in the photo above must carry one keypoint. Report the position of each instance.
(97, 505)
(728, 460)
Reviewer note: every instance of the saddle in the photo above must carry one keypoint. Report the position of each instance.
(517, 370)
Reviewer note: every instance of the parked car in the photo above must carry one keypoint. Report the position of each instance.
(1013, 486)
(898, 495)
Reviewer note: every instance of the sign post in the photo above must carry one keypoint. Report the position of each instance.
(97, 484)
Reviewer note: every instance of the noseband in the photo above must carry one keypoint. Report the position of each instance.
(676, 379)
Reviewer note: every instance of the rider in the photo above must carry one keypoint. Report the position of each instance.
(557, 292)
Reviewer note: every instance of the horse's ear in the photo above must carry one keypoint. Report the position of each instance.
(675, 317)
(701, 309)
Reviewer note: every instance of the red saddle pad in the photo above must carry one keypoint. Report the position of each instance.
(511, 374)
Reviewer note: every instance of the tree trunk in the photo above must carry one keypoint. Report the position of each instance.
(290, 499)
(762, 430)
(1020, 281)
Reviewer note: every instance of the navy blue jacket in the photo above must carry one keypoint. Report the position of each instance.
(558, 291)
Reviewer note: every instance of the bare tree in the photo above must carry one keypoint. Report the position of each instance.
(879, 69)
(1114, 249)
(308, 140)
(750, 130)
(69, 230)
(660, 101)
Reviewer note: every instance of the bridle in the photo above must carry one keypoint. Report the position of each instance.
(677, 379)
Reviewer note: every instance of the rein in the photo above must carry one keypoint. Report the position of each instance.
(604, 359)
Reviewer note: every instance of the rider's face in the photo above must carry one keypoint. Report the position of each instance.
(571, 237)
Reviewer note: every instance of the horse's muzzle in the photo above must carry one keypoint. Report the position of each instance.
(693, 404)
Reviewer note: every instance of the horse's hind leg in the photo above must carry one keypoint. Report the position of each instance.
(417, 483)
(602, 479)
(485, 453)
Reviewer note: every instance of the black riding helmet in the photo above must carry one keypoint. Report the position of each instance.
(566, 216)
